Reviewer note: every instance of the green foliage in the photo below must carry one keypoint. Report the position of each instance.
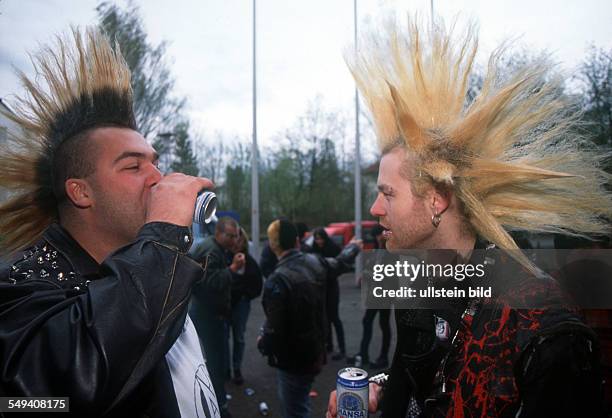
(235, 193)
(184, 160)
(302, 177)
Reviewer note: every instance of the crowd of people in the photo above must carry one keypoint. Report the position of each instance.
(300, 300)
(105, 301)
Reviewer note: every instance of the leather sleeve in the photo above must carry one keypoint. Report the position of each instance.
(212, 293)
(267, 261)
(343, 262)
(96, 345)
(274, 302)
(218, 276)
(250, 282)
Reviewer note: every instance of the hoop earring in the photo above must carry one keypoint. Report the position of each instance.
(436, 219)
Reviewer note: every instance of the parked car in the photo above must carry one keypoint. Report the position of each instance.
(342, 232)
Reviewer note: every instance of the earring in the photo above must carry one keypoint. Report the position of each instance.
(436, 219)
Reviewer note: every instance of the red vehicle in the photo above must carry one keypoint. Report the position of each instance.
(342, 232)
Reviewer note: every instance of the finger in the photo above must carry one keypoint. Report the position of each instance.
(206, 183)
(373, 397)
(332, 404)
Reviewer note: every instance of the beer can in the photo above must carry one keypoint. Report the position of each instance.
(205, 208)
(352, 393)
(263, 409)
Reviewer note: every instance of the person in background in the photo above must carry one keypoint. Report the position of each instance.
(302, 229)
(384, 316)
(211, 300)
(246, 285)
(293, 335)
(324, 246)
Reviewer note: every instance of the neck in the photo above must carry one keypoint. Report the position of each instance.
(284, 253)
(452, 236)
(97, 245)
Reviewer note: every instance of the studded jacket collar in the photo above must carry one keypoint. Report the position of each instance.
(57, 258)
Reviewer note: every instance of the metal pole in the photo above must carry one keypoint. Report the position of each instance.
(431, 4)
(358, 235)
(254, 151)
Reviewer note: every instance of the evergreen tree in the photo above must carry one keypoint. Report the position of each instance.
(184, 160)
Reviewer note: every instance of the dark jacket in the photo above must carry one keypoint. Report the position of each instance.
(504, 361)
(267, 260)
(294, 333)
(329, 250)
(96, 333)
(211, 296)
(249, 283)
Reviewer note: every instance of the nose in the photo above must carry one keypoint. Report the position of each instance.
(154, 175)
(377, 209)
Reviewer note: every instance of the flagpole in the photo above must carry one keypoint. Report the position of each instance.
(358, 232)
(254, 149)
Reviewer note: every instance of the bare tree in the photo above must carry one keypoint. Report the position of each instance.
(595, 74)
(156, 109)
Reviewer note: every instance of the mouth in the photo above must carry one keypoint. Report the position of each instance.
(387, 233)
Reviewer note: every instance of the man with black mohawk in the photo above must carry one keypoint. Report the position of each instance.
(458, 175)
(94, 305)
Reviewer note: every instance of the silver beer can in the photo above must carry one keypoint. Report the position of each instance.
(352, 393)
(205, 207)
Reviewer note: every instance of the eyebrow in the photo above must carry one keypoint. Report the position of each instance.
(384, 188)
(135, 154)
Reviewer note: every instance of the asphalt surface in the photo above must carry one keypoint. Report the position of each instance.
(261, 378)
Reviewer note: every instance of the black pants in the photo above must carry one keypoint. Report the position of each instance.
(212, 332)
(385, 326)
(333, 318)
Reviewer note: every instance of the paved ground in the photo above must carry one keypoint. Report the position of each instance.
(262, 378)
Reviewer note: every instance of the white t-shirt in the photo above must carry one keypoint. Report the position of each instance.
(194, 391)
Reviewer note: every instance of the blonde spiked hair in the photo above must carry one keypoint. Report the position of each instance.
(512, 156)
(81, 84)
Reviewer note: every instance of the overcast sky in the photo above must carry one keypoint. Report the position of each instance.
(300, 46)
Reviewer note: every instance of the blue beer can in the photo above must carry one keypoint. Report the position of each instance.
(352, 393)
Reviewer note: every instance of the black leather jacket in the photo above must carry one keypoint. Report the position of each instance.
(294, 333)
(212, 296)
(96, 333)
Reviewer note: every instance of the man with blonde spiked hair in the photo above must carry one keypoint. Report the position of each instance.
(93, 305)
(458, 174)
